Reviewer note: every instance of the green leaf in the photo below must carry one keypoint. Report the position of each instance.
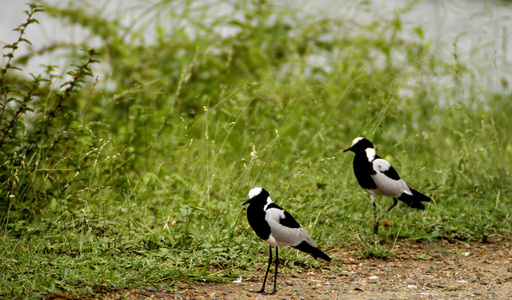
(26, 41)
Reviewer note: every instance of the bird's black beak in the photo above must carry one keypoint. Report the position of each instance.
(348, 149)
(246, 202)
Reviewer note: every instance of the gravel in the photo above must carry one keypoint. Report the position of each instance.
(421, 271)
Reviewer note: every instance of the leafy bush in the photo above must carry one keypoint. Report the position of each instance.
(41, 136)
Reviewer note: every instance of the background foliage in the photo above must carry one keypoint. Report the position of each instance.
(131, 172)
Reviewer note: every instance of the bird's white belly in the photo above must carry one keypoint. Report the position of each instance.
(271, 241)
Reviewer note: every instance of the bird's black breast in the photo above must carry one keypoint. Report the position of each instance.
(256, 218)
(363, 170)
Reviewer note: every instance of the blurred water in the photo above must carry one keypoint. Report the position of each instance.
(480, 29)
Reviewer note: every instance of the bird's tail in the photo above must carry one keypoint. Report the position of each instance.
(314, 251)
(415, 199)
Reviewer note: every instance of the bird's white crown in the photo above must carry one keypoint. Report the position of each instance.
(356, 140)
(255, 192)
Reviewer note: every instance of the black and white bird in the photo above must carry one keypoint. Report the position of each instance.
(276, 227)
(379, 178)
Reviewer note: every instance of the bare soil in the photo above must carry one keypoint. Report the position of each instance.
(420, 271)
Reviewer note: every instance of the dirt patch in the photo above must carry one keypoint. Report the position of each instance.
(420, 271)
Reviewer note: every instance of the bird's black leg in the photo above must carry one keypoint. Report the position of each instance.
(275, 274)
(377, 221)
(266, 273)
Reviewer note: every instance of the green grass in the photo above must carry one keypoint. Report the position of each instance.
(368, 250)
(137, 177)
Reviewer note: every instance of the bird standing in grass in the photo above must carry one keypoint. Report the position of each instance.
(379, 178)
(276, 227)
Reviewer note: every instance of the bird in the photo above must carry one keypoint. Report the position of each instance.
(379, 178)
(276, 227)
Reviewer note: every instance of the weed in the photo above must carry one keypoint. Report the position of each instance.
(368, 250)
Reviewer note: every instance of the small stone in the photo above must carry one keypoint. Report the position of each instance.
(373, 279)
(332, 277)
(412, 287)
(344, 273)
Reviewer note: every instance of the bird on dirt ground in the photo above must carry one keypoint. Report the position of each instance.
(276, 227)
(379, 178)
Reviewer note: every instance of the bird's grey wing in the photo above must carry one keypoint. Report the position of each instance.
(387, 180)
(278, 219)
